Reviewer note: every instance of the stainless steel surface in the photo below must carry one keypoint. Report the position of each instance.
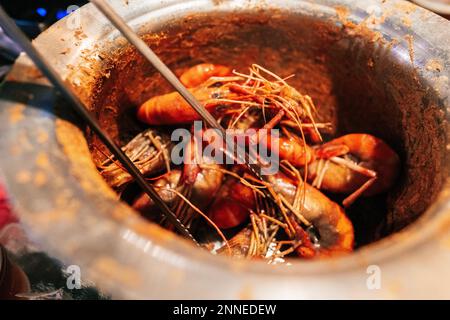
(438, 6)
(68, 208)
(47, 69)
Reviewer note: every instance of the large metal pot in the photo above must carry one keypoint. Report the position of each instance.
(375, 66)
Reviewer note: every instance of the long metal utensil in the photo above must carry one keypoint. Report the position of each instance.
(249, 159)
(47, 69)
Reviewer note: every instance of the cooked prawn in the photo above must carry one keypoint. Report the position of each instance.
(335, 230)
(290, 149)
(200, 73)
(232, 204)
(369, 166)
(148, 150)
(281, 215)
(199, 184)
(171, 108)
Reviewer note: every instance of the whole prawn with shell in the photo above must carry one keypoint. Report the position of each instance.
(286, 215)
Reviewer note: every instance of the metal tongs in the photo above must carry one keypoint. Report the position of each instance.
(47, 69)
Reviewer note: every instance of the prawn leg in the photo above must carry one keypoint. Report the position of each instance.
(355, 195)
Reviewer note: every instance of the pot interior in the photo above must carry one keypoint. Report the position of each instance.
(358, 82)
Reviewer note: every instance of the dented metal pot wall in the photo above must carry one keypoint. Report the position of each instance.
(372, 66)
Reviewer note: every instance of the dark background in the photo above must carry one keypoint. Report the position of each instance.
(36, 15)
(33, 17)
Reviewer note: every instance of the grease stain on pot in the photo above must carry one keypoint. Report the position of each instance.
(74, 146)
(16, 114)
(445, 242)
(441, 85)
(406, 7)
(342, 14)
(52, 217)
(42, 160)
(40, 178)
(394, 288)
(23, 142)
(246, 292)
(407, 22)
(41, 136)
(116, 272)
(15, 150)
(433, 65)
(444, 228)
(410, 40)
(176, 279)
(79, 34)
(23, 176)
(364, 29)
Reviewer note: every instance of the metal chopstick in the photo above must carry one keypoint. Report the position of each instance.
(249, 159)
(20, 38)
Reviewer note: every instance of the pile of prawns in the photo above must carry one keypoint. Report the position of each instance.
(298, 220)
